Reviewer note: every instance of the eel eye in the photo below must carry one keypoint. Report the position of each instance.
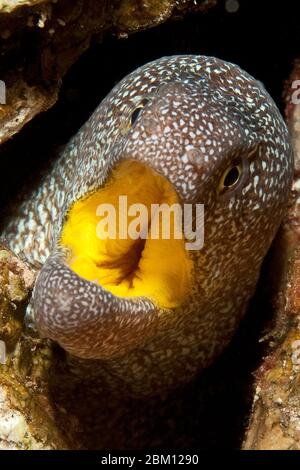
(136, 112)
(233, 178)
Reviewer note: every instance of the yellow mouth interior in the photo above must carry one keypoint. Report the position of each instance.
(158, 269)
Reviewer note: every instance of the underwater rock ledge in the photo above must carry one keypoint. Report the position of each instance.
(24, 419)
(41, 39)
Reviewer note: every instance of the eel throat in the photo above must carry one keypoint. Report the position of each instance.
(127, 237)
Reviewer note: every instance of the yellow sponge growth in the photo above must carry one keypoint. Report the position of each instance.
(156, 268)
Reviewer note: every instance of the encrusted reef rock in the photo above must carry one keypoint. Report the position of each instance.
(15, 282)
(24, 420)
(275, 418)
(41, 39)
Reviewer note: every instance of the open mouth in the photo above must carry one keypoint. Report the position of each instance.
(153, 265)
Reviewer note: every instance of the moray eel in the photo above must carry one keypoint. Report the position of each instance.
(182, 129)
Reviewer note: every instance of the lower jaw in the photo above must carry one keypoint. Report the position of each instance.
(158, 269)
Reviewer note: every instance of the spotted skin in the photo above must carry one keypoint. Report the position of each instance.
(202, 114)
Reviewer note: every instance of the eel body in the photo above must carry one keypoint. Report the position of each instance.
(199, 130)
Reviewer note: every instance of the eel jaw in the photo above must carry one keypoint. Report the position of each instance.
(85, 319)
(101, 297)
